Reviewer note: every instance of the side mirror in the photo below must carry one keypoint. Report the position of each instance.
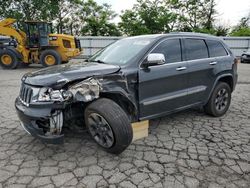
(155, 59)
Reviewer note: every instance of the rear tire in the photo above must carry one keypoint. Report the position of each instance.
(219, 101)
(115, 124)
(8, 59)
(50, 57)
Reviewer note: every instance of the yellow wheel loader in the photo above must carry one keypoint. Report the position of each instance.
(36, 44)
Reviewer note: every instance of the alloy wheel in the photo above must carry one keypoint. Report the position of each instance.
(221, 99)
(100, 130)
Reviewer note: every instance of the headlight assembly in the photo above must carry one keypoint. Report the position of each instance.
(50, 95)
(85, 91)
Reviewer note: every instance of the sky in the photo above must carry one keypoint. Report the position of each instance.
(230, 11)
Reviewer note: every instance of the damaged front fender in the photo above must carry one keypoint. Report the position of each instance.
(115, 87)
(87, 90)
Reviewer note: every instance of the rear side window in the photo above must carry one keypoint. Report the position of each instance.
(216, 49)
(195, 49)
(171, 49)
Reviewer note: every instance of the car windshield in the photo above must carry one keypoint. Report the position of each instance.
(122, 51)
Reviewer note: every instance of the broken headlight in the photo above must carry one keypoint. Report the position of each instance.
(86, 90)
(48, 94)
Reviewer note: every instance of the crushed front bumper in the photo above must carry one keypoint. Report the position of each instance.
(30, 116)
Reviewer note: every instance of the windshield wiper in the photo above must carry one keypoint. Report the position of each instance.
(98, 61)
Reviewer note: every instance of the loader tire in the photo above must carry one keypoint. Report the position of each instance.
(50, 57)
(8, 59)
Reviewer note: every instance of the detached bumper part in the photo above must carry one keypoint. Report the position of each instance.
(38, 133)
(29, 124)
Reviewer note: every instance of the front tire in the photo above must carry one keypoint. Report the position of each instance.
(50, 57)
(219, 101)
(8, 59)
(109, 125)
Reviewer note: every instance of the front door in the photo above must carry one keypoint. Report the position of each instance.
(163, 88)
(33, 35)
(43, 33)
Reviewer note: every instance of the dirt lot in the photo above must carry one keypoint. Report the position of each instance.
(188, 149)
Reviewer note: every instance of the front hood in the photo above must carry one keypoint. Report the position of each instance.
(69, 72)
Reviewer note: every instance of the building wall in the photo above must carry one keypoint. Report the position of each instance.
(237, 44)
(93, 44)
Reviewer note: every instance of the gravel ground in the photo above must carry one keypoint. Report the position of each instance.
(187, 149)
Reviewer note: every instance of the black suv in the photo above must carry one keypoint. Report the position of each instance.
(131, 80)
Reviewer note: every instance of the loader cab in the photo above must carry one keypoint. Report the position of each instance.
(38, 34)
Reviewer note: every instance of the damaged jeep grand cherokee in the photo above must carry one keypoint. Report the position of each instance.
(131, 80)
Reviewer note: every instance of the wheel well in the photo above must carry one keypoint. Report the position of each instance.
(228, 80)
(123, 102)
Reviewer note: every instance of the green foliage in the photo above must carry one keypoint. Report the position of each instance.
(86, 17)
(65, 15)
(27, 9)
(161, 16)
(76, 17)
(147, 16)
(241, 32)
(193, 14)
(243, 28)
(96, 19)
(217, 30)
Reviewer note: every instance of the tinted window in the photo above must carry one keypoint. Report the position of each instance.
(196, 49)
(171, 49)
(216, 49)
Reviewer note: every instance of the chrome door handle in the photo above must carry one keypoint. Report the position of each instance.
(181, 68)
(213, 63)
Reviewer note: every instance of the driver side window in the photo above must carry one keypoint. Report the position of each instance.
(171, 48)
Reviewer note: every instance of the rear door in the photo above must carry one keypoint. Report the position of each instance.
(220, 55)
(201, 69)
(163, 88)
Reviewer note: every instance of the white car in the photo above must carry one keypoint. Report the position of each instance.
(245, 57)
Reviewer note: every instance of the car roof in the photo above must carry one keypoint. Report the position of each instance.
(176, 34)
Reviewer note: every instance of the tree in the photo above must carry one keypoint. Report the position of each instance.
(243, 28)
(69, 16)
(241, 32)
(131, 24)
(221, 30)
(194, 14)
(160, 16)
(96, 19)
(147, 16)
(65, 14)
(27, 9)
